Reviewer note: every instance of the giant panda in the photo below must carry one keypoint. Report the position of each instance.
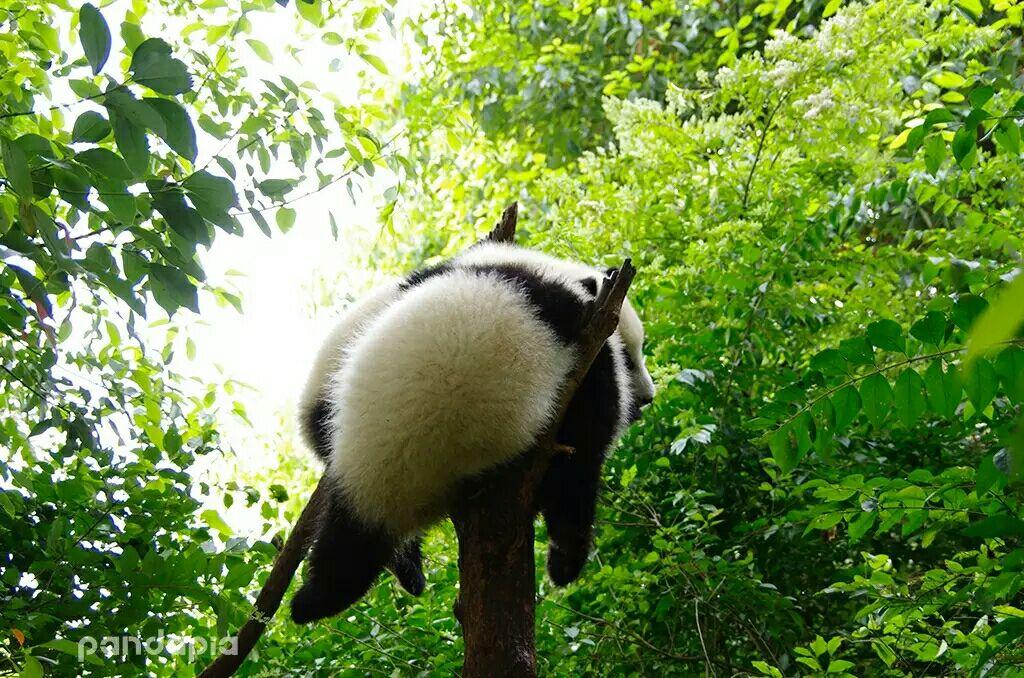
(440, 377)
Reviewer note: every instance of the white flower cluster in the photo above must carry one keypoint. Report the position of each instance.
(838, 35)
(782, 75)
(817, 102)
(780, 43)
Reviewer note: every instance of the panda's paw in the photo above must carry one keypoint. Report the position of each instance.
(315, 601)
(309, 605)
(565, 564)
(407, 564)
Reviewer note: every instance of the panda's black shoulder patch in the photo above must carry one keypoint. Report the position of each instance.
(424, 274)
(557, 306)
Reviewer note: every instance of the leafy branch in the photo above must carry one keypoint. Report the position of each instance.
(878, 370)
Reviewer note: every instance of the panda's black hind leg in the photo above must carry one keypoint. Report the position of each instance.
(568, 502)
(407, 564)
(344, 561)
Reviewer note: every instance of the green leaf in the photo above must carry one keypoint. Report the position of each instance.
(987, 475)
(783, 452)
(117, 198)
(830, 362)
(948, 80)
(16, 168)
(275, 188)
(963, 143)
(261, 50)
(931, 329)
(172, 289)
(877, 399)
(131, 141)
(90, 126)
(124, 104)
(312, 11)
(934, 153)
(169, 201)
(375, 61)
(943, 389)
(980, 382)
(179, 133)
(996, 527)
(966, 309)
(846, 403)
(285, 218)
(1000, 321)
(31, 668)
(33, 287)
(153, 66)
(240, 574)
(973, 6)
(886, 334)
(94, 36)
(70, 648)
(1007, 137)
(1010, 368)
(908, 396)
(106, 162)
(213, 196)
(213, 519)
(261, 221)
(857, 350)
(860, 525)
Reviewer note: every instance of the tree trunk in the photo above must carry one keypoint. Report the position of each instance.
(495, 605)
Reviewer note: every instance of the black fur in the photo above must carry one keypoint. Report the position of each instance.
(344, 561)
(568, 496)
(557, 306)
(424, 274)
(316, 427)
(407, 565)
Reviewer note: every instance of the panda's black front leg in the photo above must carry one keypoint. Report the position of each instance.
(344, 561)
(569, 490)
(568, 502)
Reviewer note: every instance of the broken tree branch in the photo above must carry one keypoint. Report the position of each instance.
(494, 523)
(505, 229)
(270, 596)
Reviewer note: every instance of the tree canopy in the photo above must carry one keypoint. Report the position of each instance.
(823, 202)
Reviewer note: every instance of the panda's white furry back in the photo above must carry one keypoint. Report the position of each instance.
(440, 386)
(443, 376)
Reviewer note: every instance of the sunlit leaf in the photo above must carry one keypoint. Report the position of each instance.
(94, 35)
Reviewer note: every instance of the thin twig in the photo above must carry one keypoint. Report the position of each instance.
(700, 634)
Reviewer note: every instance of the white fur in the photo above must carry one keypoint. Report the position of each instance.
(332, 354)
(438, 388)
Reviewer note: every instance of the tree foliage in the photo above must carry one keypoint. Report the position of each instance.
(132, 137)
(825, 204)
(824, 200)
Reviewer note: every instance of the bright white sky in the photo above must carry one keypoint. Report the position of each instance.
(294, 285)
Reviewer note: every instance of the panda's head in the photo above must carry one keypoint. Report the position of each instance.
(631, 332)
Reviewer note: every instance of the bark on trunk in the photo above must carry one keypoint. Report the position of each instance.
(495, 605)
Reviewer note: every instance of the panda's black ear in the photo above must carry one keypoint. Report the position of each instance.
(590, 285)
(608, 271)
